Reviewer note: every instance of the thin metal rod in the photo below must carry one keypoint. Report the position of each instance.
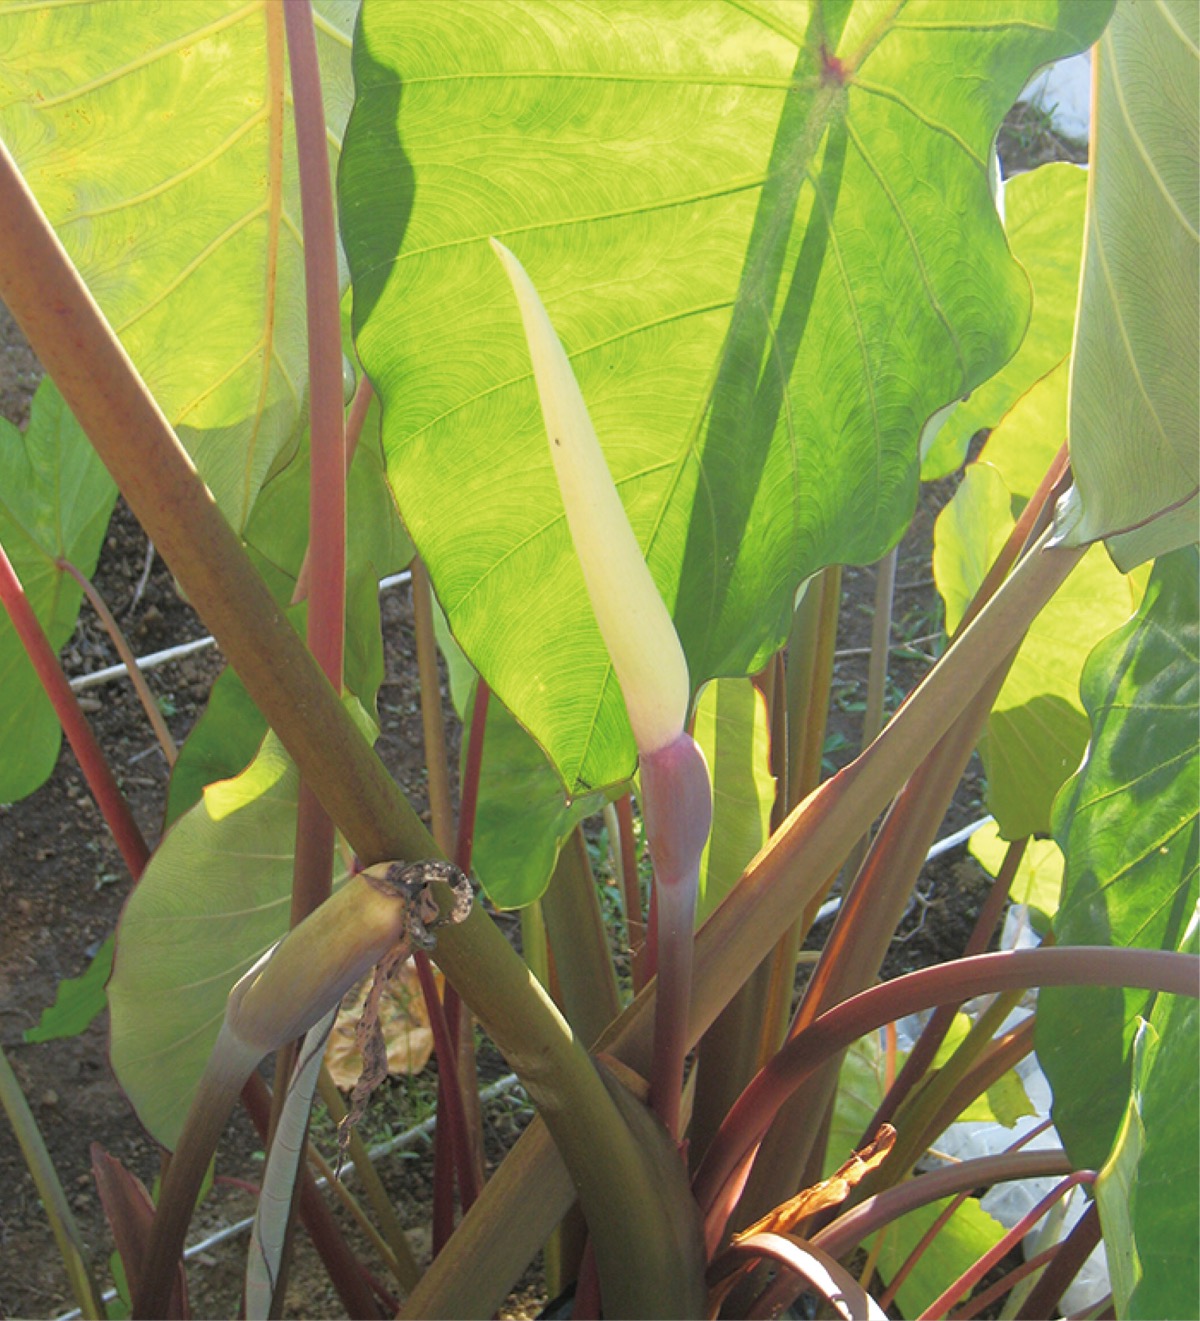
(409, 1138)
(168, 654)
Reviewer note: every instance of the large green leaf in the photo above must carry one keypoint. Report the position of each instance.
(731, 729)
(77, 1000)
(215, 896)
(862, 1085)
(1149, 1193)
(1037, 730)
(1043, 218)
(277, 534)
(1127, 825)
(158, 139)
(966, 1236)
(522, 817)
(226, 736)
(1038, 881)
(1135, 389)
(55, 501)
(766, 237)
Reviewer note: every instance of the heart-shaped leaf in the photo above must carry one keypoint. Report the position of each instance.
(55, 501)
(731, 729)
(214, 897)
(1043, 218)
(1129, 827)
(1037, 729)
(767, 241)
(159, 143)
(1135, 383)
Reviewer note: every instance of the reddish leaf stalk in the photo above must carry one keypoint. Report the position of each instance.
(452, 1137)
(326, 623)
(934, 1032)
(1067, 1263)
(452, 1145)
(848, 1230)
(851, 1228)
(970, 1278)
(677, 809)
(631, 889)
(359, 406)
(586, 1305)
(1005, 1284)
(441, 812)
(79, 733)
(806, 1266)
(457, 1014)
(326, 553)
(719, 1180)
(449, 1153)
(931, 1233)
(136, 677)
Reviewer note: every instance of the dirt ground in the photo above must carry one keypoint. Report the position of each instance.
(62, 884)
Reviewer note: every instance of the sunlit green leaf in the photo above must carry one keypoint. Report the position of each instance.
(1149, 1192)
(861, 1087)
(1037, 730)
(767, 240)
(1135, 388)
(1043, 218)
(731, 729)
(966, 1236)
(228, 733)
(1038, 881)
(220, 744)
(77, 1000)
(55, 501)
(215, 896)
(1026, 439)
(158, 139)
(523, 816)
(1007, 1100)
(1127, 825)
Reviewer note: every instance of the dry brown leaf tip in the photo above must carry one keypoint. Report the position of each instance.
(829, 1192)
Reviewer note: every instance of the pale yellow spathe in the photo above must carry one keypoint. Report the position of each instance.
(634, 622)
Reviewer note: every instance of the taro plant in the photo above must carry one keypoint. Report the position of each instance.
(762, 280)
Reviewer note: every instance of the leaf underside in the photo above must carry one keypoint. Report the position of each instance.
(766, 238)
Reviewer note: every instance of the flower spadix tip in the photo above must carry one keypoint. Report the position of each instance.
(634, 622)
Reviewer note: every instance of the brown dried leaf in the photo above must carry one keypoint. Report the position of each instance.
(829, 1192)
(406, 1032)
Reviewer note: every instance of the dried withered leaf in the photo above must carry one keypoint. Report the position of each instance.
(403, 1018)
(829, 1192)
(368, 1036)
